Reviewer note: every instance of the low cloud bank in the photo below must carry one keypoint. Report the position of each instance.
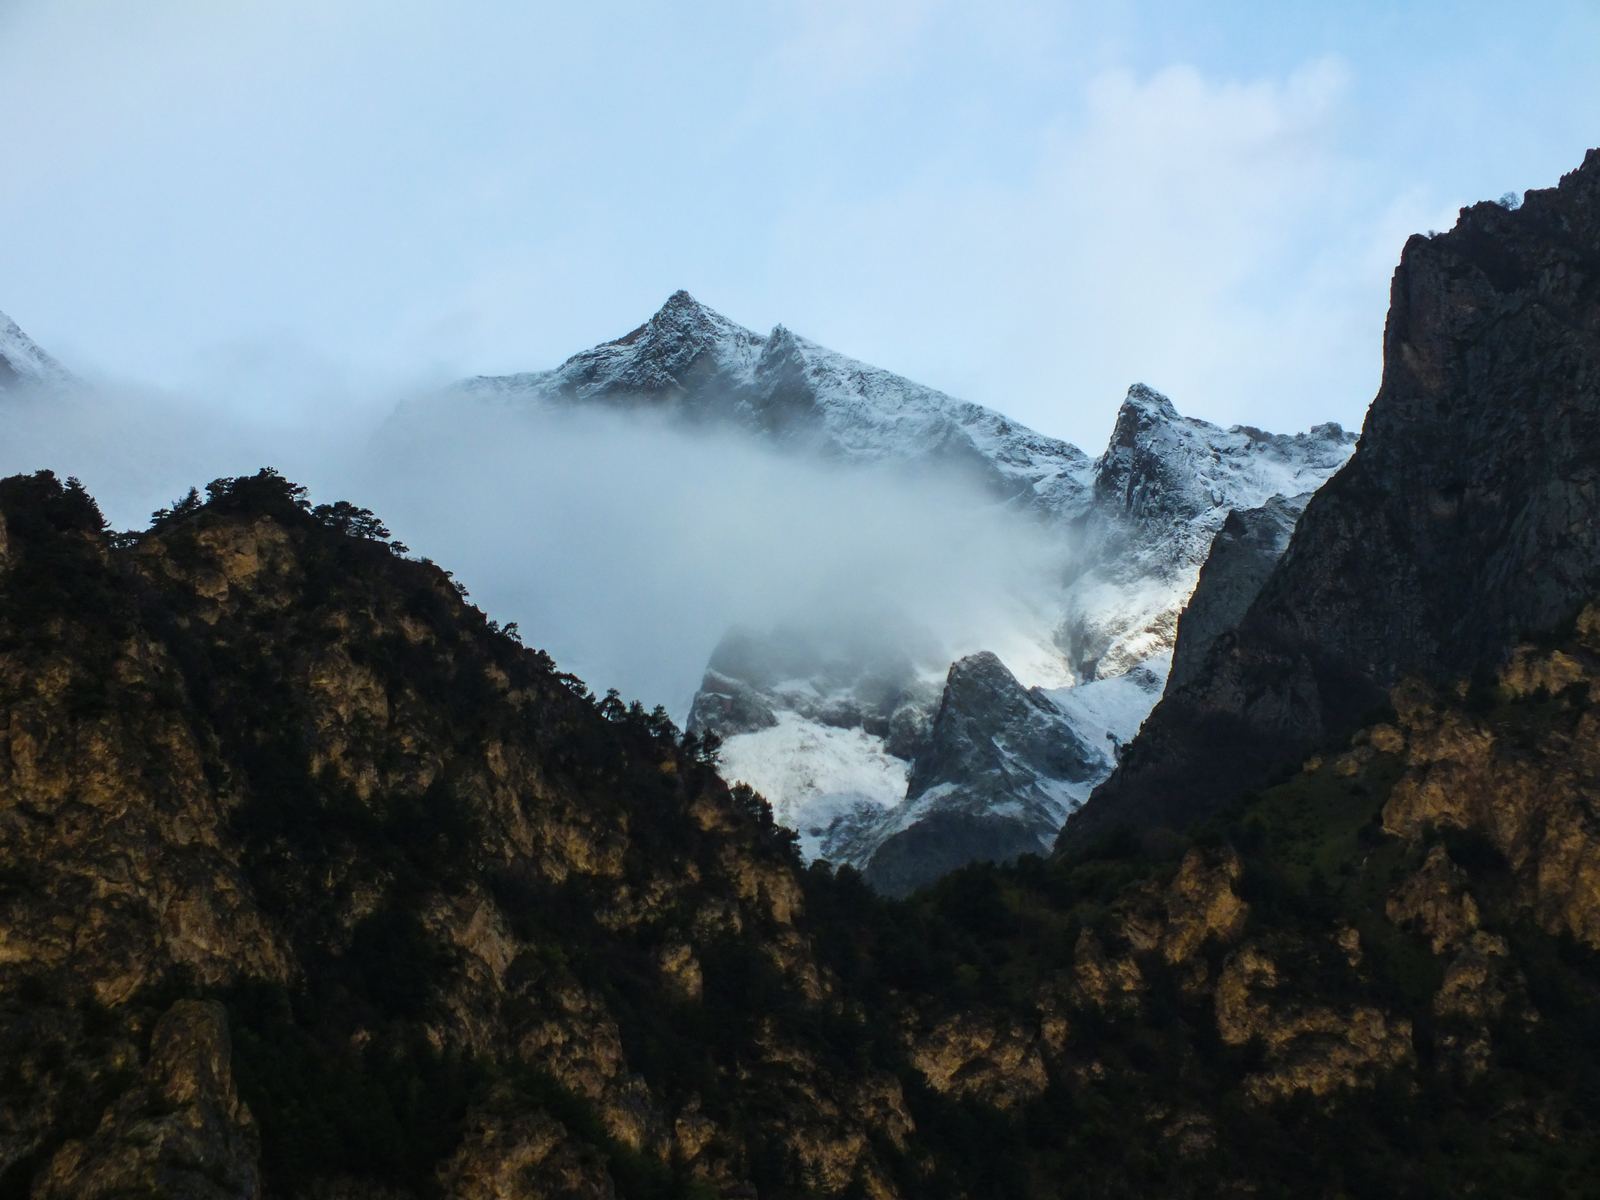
(624, 546)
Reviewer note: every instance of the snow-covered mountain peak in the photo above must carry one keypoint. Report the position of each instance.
(683, 328)
(23, 363)
(1162, 471)
(1162, 489)
(867, 739)
(792, 392)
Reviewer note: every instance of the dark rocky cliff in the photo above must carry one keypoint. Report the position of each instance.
(1245, 552)
(314, 884)
(1464, 521)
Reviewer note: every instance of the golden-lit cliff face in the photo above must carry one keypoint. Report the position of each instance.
(312, 882)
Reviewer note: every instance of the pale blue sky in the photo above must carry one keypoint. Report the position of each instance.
(1029, 205)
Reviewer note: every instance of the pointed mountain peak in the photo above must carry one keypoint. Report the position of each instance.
(681, 301)
(1141, 398)
(682, 318)
(681, 308)
(1144, 411)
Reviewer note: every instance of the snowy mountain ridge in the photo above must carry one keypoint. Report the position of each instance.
(790, 391)
(1161, 490)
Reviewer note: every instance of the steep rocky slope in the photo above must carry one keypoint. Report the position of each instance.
(313, 883)
(1463, 523)
(1243, 555)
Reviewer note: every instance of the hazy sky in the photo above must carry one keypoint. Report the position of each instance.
(1028, 205)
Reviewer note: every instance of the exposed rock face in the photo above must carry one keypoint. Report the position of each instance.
(526, 1155)
(1525, 786)
(1242, 558)
(1310, 1047)
(992, 781)
(1463, 523)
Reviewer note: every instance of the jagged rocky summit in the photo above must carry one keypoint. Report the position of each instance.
(1463, 524)
(837, 726)
(704, 368)
(24, 364)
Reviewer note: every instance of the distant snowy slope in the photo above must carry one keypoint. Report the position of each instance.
(23, 363)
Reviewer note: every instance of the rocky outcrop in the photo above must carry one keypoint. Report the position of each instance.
(992, 781)
(1309, 1047)
(1520, 779)
(1462, 524)
(524, 1154)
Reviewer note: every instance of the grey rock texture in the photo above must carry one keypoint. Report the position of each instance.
(988, 785)
(1464, 522)
(1243, 556)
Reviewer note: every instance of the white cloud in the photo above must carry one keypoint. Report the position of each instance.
(625, 547)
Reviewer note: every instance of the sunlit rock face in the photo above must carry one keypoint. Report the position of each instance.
(1464, 522)
(828, 720)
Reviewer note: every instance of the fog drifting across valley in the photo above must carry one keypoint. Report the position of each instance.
(622, 545)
